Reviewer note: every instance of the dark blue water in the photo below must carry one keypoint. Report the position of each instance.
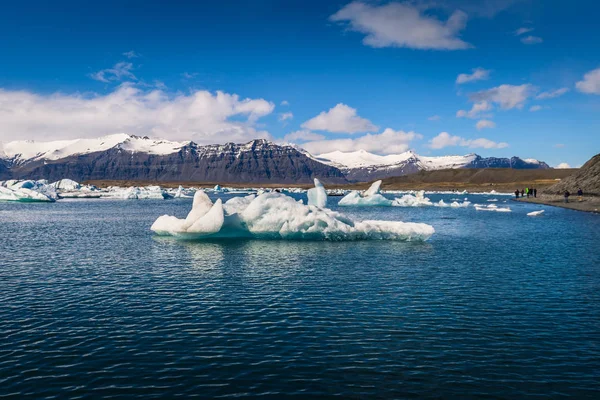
(495, 305)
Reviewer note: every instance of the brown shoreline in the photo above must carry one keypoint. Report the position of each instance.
(587, 204)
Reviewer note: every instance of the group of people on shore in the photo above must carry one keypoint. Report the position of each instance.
(527, 192)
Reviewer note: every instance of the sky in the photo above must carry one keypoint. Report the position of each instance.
(498, 78)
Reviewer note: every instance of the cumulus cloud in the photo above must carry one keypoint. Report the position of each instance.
(535, 108)
(403, 25)
(285, 116)
(201, 116)
(485, 124)
(131, 54)
(434, 118)
(506, 96)
(552, 94)
(523, 30)
(387, 142)
(477, 74)
(302, 136)
(339, 119)
(590, 83)
(475, 111)
(563, 165)
(532, 40)
(444, 139)
(119, 72)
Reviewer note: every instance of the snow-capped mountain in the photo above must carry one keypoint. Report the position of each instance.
(364, 166)
(127, 157)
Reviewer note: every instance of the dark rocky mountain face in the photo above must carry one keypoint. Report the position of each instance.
(587, 178)
(258, 161)
(513, 162)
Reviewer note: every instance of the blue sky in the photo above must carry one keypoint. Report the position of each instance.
(382, 76)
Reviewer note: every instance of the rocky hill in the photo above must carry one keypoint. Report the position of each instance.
(587, 178)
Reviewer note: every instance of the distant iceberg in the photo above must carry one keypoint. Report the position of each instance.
(370, 197)
(492, 207)
(277, 216)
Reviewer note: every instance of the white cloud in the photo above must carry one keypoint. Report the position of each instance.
(535, 108)
(403, 25)
(189, 75)
(551, 94)
(523, 30)
(285, 103)
(532, 40)
(339, 119)
(434, 118)
(302, 136)
(201, 116)
(485, 124)
(444, 139)
(563, 165)
(387, 142)
(120, 71)
(285, 116)
(131, 54)
(475, 111)
(478, 74)
(506, 96)
(590, 83)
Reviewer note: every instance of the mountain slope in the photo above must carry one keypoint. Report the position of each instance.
(587, 178)
(135, 158)
(126, 157)
(364, 166)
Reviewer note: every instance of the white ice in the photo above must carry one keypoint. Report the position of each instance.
(535, 213)
(370, 197)
(491, 207)
(317, 196)
(277, 216)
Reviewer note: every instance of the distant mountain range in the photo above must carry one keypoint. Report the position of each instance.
(127, 157)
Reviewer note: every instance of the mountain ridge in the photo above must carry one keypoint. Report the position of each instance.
(126, 157)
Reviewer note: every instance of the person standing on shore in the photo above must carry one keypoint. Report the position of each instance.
(527, 192)
(517, 193)
(579, 194)
(567, 194)
(535, 192)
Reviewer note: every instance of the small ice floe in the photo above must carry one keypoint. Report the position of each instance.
(492, 200)
(491, 207)
(419, 200)
(277, 216)
(535, 213)
(370, 197)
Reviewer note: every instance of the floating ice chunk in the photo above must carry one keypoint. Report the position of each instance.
(277, 216)
(492, 200)
(24, 195)
(535, 213)
(317, 196)
(418, 200)
(371, 197)
(491, 207)
(66, 185)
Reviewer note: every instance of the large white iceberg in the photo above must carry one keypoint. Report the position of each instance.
(277, 216)
(24, 195)
(370, 197)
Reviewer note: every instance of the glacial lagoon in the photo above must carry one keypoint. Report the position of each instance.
(495, 304)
